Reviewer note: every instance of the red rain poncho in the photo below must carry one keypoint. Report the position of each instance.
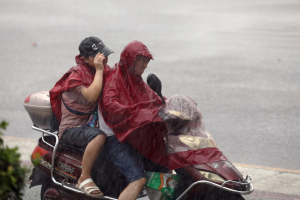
(130, 108)
(82, 74)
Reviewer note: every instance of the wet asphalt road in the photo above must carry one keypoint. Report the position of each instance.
(238, 59)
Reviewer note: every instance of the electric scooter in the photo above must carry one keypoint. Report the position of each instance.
(59, 163)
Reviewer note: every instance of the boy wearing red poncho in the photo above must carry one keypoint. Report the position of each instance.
(74, 97)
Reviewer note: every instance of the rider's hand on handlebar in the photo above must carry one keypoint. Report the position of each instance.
(98, 61)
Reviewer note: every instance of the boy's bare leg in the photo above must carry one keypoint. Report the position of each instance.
(90, 155)
(132, 191)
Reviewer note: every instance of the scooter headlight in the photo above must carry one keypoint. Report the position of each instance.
(212, 176)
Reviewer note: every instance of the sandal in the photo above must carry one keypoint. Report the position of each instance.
(88, 190)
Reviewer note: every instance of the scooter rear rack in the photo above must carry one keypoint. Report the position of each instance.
(66, 185)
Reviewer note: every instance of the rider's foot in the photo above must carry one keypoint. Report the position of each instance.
(90, 184)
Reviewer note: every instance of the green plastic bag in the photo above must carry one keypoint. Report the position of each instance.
(165, 182)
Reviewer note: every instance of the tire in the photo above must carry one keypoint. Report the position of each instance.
(47, 185)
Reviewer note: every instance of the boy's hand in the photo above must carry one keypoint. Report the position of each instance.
(98, 61)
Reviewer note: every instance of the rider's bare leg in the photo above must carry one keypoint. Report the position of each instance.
(132, 191)
(90, 154)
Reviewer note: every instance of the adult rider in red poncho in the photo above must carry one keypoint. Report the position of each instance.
(132, 115)
(128, 103)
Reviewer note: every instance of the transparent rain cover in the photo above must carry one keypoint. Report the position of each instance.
(185, 125)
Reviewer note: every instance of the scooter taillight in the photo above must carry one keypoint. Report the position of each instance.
(38, 152)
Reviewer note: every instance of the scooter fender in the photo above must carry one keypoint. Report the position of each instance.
(37, 177)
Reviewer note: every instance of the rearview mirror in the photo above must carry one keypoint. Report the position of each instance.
(155, 84)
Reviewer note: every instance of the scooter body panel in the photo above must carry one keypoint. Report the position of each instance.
(226, 169)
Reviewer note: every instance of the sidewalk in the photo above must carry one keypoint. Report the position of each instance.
(269, 183)
(25, 147)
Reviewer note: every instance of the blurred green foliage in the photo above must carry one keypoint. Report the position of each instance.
(12, 175)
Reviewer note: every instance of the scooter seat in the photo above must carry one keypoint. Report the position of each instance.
(62, 144)
(65, 145)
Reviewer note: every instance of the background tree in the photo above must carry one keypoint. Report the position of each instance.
(12, 175)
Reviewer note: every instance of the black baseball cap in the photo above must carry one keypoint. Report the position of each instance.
(91, 46)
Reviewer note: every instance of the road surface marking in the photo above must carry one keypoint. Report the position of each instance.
(15, 138)
(269, 168)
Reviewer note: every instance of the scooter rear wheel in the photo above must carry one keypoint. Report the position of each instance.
(49, 191)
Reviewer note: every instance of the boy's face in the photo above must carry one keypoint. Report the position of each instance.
(140, 65)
